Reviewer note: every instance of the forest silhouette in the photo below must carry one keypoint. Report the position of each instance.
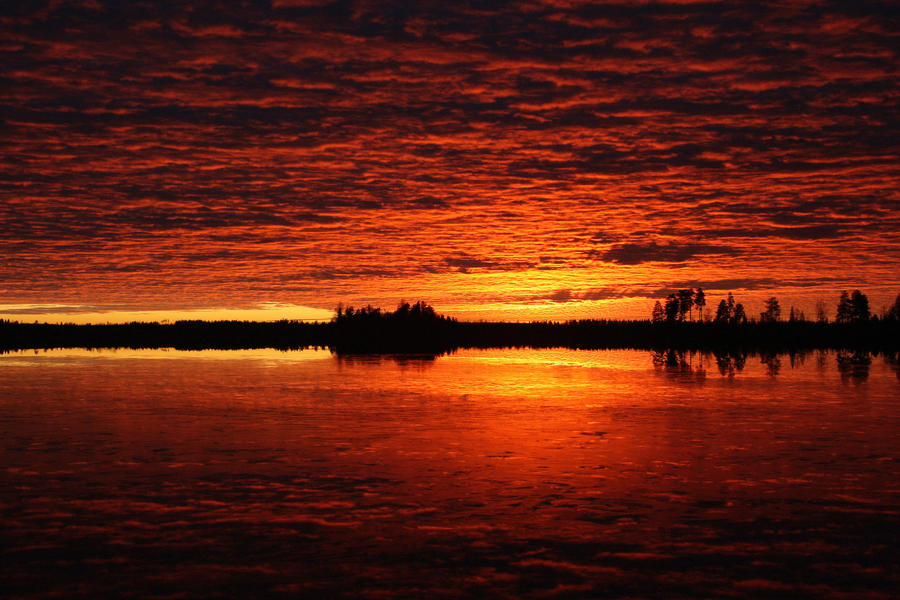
(418, 328)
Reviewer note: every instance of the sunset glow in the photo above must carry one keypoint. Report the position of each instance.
(522, 160)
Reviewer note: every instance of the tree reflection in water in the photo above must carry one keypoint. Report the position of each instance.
(730, 362)
(772, 362)
(893, 360)
(854, 366)
(685, 365)
(416, 362)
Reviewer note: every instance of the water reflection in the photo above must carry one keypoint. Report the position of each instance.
(797, 358)
(414, 361)
(772, 362)
(685, 366)
(893, 360)
(692, 362)
(730, 363)
(502, 474)
(853, 366)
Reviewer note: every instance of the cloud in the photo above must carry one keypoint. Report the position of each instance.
(565, 295)
(637, 253)
(463, 263)
(311, 151)
(809, 232)
(561, 295)
(47, 309)
(613, 293)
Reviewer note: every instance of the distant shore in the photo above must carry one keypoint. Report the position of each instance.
(385, 333)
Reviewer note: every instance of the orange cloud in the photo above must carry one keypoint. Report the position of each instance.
(485, 158)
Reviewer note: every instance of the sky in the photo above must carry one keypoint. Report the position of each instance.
(500, 160)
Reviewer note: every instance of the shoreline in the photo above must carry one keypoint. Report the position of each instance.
(439, 335)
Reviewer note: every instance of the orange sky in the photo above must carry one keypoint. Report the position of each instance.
(499, 160)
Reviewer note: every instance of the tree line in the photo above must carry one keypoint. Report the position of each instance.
(679, 307)
(418, 328)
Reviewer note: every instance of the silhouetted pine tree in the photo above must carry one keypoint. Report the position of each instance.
(700, 301)
(772, 312)
(844, 309)
(659, 314)
(859, 307)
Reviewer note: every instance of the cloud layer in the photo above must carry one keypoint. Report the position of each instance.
(475, 154)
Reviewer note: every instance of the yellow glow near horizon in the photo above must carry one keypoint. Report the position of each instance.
(75, 314)
(30, 356)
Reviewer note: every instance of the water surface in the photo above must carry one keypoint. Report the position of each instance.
(493, 473)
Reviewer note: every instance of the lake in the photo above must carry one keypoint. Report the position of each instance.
(488, 473)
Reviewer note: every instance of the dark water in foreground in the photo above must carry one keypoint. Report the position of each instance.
(539, 474)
